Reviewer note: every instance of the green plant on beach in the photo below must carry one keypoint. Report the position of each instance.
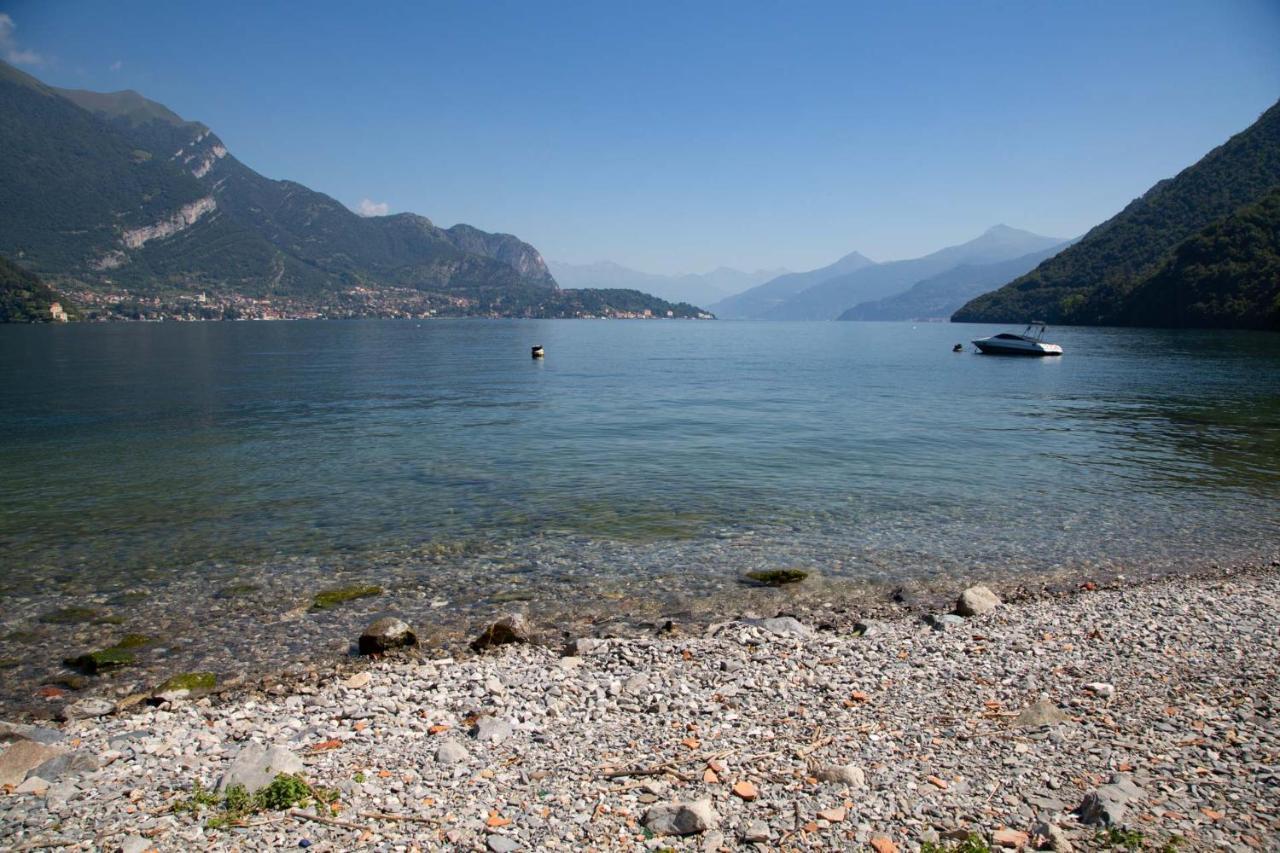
(236, 804)
(973, 843)
(329, 598)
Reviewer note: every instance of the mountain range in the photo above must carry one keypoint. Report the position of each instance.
(939, 296)
(1198, 249)
(765, 298)
(694, 288)
(828, 292)
(118, 200)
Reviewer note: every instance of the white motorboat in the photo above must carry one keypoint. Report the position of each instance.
(1030, 342)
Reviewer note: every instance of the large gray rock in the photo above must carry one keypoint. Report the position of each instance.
(20, 757)
(135, 844)
(511, 628)
(256, 766)
(67, 764)
(977, 600)
(22, 731)
(1042, 713)
(386, 634)
(491, 730)
(841, 774)
(1046, 836)
(451, 752)
(680, 818)
(783, 626)
(88, 708)
(1109, 804)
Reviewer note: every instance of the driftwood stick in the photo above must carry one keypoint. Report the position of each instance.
(330, 821)
(405, 817)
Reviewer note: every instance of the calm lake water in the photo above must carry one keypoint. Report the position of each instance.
(439, 459)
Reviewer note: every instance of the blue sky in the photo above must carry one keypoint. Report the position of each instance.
(682, 136)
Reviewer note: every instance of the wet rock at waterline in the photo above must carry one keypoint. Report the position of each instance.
(385, 634)
(977, 600)
(512, 628)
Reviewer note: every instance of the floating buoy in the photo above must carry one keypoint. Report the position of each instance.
(537, 351)
(958, 348)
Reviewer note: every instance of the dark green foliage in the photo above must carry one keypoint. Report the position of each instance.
(24, 298)
(1227, 276)
(1093, 281)
(237, 804)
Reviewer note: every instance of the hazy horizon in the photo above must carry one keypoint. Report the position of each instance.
(677, 140)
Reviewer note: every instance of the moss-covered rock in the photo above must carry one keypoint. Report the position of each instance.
(134, 641)
(329, 598)
(238, 590)
(70, 616)
(102, 660)
(189, 681)
(777, 577)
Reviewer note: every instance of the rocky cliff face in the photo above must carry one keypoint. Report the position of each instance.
(512, 251)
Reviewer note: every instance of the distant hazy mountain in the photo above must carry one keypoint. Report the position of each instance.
(831, 298)
(938, 297)
(1113, 275)
(761, 300)
(695, 288)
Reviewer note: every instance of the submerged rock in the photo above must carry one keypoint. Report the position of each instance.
(330, 598)
(512, 628)
(977, 600)
(385, 634)
(102, 660)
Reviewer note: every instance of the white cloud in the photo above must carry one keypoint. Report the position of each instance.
(117, 65)
(368, 207)
(9, 46)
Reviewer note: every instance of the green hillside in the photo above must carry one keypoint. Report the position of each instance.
(1227, 276)
(24, 298)
(1093, 281)
(111, 192)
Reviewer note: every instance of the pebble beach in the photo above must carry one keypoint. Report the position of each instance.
(1127, 717)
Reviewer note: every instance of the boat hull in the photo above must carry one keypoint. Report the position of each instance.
(989, 347)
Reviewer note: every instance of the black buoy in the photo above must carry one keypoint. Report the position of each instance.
(958, 348)
(537, 351)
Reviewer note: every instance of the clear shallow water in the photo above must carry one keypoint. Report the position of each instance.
(439, 459)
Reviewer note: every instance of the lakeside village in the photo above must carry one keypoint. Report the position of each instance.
(357, 302)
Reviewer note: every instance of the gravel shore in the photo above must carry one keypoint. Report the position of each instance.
(1154, 707)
